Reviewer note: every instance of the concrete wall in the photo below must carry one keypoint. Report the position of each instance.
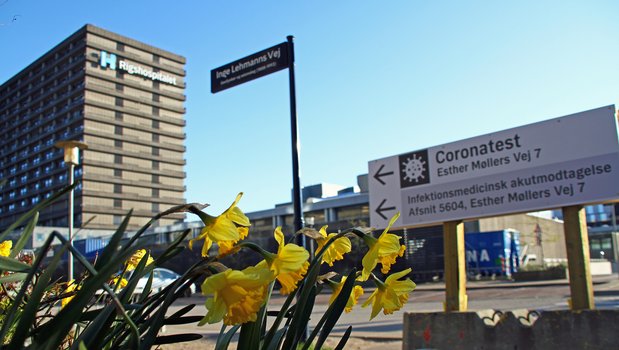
(522, 329)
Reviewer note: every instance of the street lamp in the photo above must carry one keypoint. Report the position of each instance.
(72, 158)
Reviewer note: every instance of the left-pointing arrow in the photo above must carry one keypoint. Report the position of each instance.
(380, 209)
(378, 175)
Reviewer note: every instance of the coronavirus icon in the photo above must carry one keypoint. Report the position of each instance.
(414, 169)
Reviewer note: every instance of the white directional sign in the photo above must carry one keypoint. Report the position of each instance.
(558, 162)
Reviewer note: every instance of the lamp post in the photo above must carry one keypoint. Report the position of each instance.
(72, 158)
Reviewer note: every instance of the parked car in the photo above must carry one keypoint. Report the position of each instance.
(162, 278)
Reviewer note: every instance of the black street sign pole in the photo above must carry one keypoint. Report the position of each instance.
(257, 65)
(296, 180)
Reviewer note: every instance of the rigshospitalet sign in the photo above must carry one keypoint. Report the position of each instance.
(555, 163)
(249, 68)
(109, 60)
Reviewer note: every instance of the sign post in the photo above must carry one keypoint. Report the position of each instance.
(579, 267)
(564, 162)
(455, 267)
(257, 65)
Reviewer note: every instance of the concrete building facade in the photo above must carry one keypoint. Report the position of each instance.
(125, 100)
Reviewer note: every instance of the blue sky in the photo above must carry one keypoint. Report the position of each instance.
(374, 79)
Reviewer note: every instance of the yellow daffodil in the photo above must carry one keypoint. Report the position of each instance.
(236, 296)
(5, 248)
(391, 295)
(385, 250)
(135, 259)
(71, 285)
(122, 284)
(357, 292)
(336, 250)
(226, 229)
(290, 264)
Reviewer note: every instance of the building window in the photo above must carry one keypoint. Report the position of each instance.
(118, 143)
(155, 97)
(155, 58)
(155, 110)
(118, 172)
(119, 102)
(156, 164)
(156, 85)
(155, 179)
(155, 207)
(155, 151)
(118, 188)
(155, 193)
(118, 159)
(118, 115)
(117, 219)
(120, 46)
(118, 130)
(118, 203)
(119, 87)
(155, 137)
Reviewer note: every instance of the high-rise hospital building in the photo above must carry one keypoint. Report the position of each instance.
(125, 100)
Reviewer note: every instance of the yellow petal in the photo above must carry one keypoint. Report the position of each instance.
(5, 248)
(223, 230)
(207, 245)
(237, 216)
(279, 236)
(369, 263)
(397, 275)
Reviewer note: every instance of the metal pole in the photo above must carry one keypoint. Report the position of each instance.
(70, 221)
(296, 180)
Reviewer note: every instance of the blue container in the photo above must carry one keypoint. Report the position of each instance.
(492, 253)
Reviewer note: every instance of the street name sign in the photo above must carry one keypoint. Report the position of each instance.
(249, 68)
(559, 162)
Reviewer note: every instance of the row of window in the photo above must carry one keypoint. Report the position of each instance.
(58, 59)
(46, 183)
(31, 201)
(31, 152)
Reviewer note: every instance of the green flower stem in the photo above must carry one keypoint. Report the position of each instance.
(379, 284)
(269, 257)
(369, 240)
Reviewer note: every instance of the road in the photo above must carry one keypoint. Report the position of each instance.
(482, 295)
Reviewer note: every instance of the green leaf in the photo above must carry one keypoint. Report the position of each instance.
(224, 341)
(342, 343)
(55, 330)
(34, 299)
(302, 313)
(14, 277)
(13, 265)
(25, 236)
(112, 246)
(176, 338)
(269, 338)
(277, 339)
(335, 310)
(183, 320)
(15, 310)
(182, 311)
